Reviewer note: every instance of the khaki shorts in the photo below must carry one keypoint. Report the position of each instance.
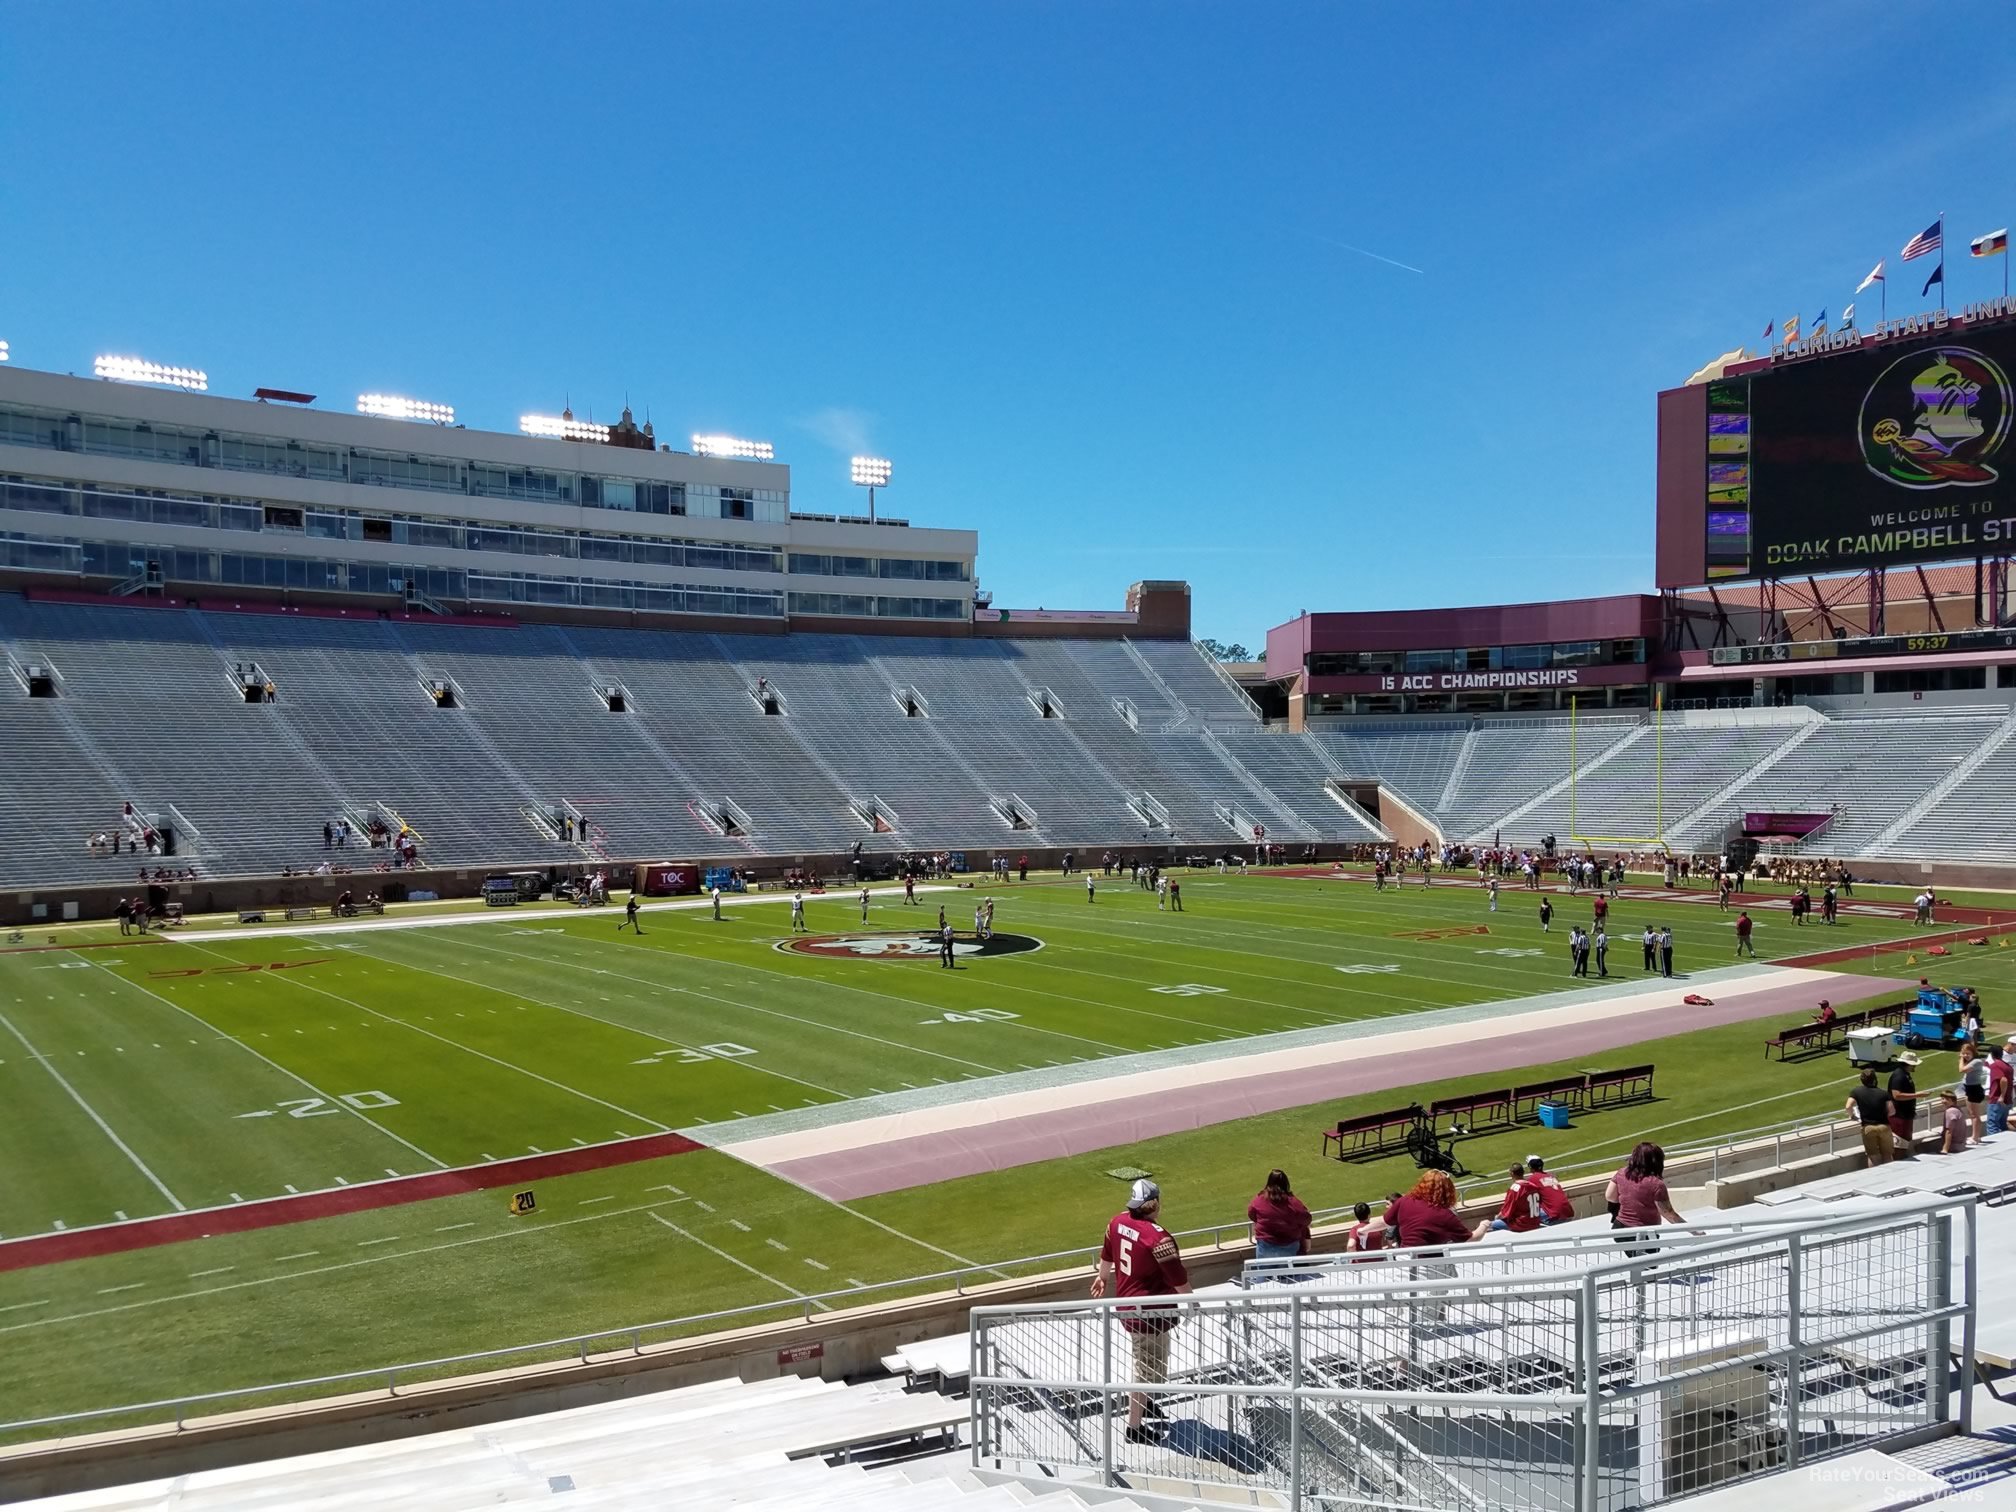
(1151, 1358)
(1878, 1143)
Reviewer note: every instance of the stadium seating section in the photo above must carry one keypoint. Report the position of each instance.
(895, 743)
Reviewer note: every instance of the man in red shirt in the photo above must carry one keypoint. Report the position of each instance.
(1516, 1213)
(1743, 945)
(1140, 1252)
(1546, 1194)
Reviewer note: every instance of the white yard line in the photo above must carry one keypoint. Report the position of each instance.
(324, 1270)
(92, 1113)
(522, 996)
(292, 1076)
(783, 1286)
(471, 1050)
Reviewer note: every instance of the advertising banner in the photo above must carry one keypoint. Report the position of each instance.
(658, 879)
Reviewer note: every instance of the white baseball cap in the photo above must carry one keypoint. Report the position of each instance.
(1142, 1193)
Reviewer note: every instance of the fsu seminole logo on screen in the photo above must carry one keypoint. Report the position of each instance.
(1935, 418)
(903, 947)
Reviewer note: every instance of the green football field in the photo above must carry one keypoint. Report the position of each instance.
(146, 1078)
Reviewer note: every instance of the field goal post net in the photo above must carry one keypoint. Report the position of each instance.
(1656, 841)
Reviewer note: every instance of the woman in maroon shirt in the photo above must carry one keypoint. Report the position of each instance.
(1280, 1221)
(1637, 1194)
(1426, 1215)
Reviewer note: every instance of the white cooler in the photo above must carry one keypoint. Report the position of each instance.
(1870, 1047)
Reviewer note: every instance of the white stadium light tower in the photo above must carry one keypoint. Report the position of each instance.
(872, 473)
(562, 427)
(140, 370)
(393, 407)
(734, 447)
(3, 351)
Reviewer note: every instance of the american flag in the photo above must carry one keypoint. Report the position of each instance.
(1925, 242)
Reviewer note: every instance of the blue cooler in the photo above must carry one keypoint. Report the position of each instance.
(1553, 1115)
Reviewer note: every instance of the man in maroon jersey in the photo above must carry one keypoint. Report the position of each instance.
(1148, 1264)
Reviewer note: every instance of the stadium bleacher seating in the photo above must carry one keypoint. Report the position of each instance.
(895, 743)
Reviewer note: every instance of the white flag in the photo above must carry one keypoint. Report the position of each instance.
(1875, 276)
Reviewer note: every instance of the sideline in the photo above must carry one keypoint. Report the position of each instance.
(309, 929)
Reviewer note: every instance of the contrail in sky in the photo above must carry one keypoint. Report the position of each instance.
(1391, 262)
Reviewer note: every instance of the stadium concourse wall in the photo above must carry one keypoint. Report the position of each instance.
(35, 907)
(834, 1346)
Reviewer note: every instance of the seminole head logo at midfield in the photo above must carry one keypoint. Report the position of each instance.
(1934, 419)
(901, 946)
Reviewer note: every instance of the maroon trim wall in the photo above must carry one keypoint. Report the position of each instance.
(1619, 617)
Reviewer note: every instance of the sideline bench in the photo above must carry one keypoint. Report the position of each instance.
(1807, 1036)
(301, 913)
(1476, 1112)
(1802, 1037)
(1570, 1090)
(1608, 1089)
(1372, 1133)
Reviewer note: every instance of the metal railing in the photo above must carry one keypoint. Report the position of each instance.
(1593, 1377)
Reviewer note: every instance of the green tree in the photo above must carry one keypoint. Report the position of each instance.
(1219, 651)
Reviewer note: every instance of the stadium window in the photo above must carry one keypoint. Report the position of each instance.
(1528, 658)
(1932, 680)
(1627, 652)
(618, 493)
(1431, 661)
(1577, 653)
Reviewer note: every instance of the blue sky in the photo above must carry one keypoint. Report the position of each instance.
(1086, 271)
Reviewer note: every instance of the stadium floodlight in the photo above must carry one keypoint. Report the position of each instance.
(562, 428)
(733, 447)
(140, 370)
(872, 473)
(392, 407)
(3, 351)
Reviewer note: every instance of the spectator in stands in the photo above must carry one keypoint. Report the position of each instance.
(1636, 1195)
(1364, 1235)
(1872, 1108)
(1904, 1105)
(1952, 1124)
(1974, 1088)
(1280, 1221)
(2000, 1080)
(1148, 1263)
(1426, 1215)
(1556, 1206)
(1516, 1214)
(328, 834)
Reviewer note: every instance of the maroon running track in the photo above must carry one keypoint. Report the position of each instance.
(175, 1228)
(846, 1175)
